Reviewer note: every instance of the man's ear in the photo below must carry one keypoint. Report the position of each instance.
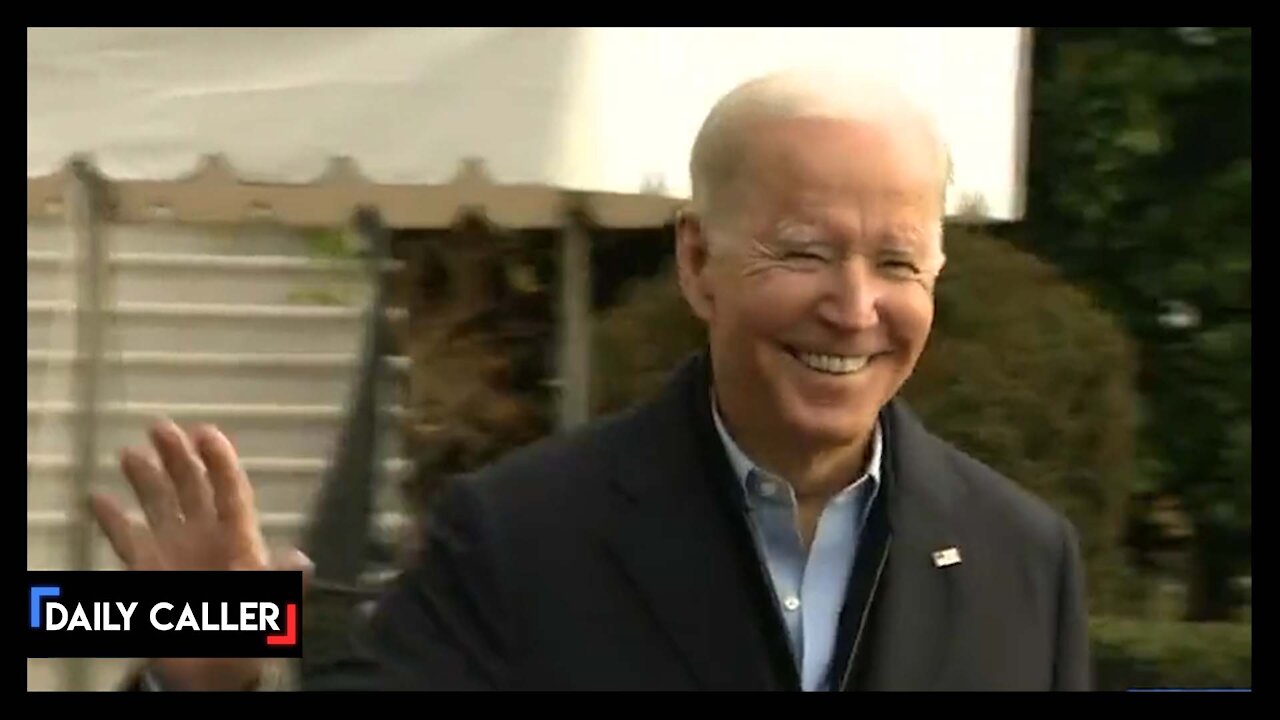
(936, 273)
(693, 258)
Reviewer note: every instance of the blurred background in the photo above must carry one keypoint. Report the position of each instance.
(1093, 337)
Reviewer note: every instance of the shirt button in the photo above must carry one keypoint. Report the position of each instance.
(791, 604)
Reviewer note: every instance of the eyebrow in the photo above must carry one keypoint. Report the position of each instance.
(904, 240)
(796, 232)
(899, 248)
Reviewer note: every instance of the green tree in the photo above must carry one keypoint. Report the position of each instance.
(1139, 188)
(1028, 374)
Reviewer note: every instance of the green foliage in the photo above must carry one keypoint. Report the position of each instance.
(639, 342)
(333, 243)
(320, 296)
(1140, 189)
(1144, 654)
(327, 244)
(1026, 373)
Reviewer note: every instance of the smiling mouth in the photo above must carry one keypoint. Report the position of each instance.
(831, 364)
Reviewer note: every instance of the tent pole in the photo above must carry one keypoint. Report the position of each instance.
(574, 327)
(85, 214)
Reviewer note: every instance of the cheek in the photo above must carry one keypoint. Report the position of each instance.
(773, 305)
(909, 317)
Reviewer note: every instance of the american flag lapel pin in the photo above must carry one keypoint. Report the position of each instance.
(946, 557)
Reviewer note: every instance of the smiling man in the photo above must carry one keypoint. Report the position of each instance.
(775, 519)
(811, 255)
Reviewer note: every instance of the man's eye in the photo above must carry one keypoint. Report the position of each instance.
(901, 267)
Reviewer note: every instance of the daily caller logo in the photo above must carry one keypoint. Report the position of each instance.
(188, 615)
(163, 616)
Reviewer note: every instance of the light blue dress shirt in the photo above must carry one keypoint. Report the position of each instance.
(810, 586)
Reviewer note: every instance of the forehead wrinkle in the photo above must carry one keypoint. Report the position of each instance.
(813, 224)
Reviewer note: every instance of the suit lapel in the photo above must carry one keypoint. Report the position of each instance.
(915, 607)
(678, 536)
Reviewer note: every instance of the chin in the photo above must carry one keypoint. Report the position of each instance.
(828, 425)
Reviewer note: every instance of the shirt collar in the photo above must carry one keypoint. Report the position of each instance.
(744, 467)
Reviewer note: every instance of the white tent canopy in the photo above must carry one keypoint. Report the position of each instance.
(420, 122)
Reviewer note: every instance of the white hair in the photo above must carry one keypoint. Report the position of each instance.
(719, 148)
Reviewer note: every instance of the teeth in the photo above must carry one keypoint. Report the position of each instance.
(834, 364)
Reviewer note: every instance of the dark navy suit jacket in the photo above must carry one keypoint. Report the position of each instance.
(617, 557)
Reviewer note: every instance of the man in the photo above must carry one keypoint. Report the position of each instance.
(776, 519)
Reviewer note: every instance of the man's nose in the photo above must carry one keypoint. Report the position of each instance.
(852, 299)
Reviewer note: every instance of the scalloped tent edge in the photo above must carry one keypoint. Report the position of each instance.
(214, 193)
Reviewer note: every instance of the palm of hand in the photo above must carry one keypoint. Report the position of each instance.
(199, 514)
(198, 507)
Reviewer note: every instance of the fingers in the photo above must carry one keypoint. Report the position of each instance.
(294, 559)
(154, 490)
(232, 493)
(195, 497)
(116, 526)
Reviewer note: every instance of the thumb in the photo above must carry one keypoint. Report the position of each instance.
(295, 560)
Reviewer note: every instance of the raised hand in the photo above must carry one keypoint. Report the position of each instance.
(199, 512)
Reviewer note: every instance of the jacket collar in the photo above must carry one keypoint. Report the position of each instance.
(682, 539)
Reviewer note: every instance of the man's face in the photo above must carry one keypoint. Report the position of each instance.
(817, 287)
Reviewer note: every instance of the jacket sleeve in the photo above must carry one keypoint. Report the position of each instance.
(1072, 663)
(440, 624)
